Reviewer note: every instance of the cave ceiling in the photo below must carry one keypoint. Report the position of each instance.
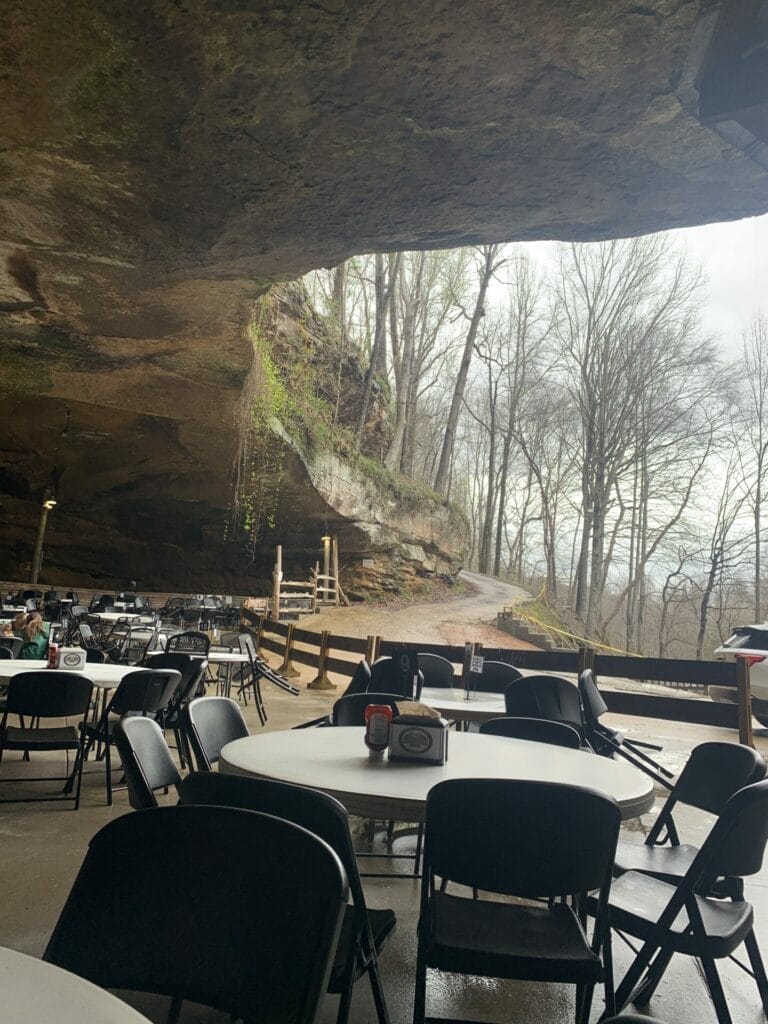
(162, 162)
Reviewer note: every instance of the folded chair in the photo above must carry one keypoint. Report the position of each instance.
(712, 774)
(229, 908)
(522, 839)
(671, 919)
(607, 741)
(46, 694)
(365, 931)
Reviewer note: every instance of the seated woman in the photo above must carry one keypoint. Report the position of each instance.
(12, 628)
(34, 633)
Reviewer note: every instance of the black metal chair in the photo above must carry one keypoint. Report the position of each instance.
(146, 759)
(251, 935)
(539, 730)
(671, 919)
(248, 676)
(192, 642)
(6, 654)
(359, 683)
(495, 677)
(388, 677)
(264, 670)
(365, 931)
(350, 710)
(436, 671)
(145, 691)
(607, 741)
(13, 644)
(209, 723)
(94, 656)
(712, 774)
(527, 840)
(45, 694)
(548, 697)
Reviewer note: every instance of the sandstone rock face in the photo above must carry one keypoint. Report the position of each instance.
(164, 160)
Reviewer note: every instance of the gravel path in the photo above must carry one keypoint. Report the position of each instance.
(453, 620)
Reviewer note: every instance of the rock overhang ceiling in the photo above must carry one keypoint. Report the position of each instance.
(162, 162)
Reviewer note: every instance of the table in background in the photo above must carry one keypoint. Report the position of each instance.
(336, 761)
(36, 992)
(453, 704)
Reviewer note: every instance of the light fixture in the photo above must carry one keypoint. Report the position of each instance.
(49, 503)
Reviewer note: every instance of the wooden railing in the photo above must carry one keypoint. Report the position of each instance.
(306, 648)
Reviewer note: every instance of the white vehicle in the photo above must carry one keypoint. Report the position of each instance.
(751, 643)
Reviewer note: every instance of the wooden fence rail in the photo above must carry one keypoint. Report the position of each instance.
(646, 705)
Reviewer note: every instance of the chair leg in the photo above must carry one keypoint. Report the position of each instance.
(377, 990)
(420, 988)
(417, 858)
(180, 748)
(108, 770)
(610, 995)
(716, 991)
(644, 993)
(626, 990)
(174, 1011)
(80, 761)
(758, 968)
(345, 1000)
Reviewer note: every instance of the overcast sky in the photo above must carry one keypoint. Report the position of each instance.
(734, 256)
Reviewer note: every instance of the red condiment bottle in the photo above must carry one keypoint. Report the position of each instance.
(377, 721)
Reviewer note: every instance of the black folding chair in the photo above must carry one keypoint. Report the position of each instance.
(191, 642)
(264, 670)
(12, 644)
(527, 840)
(539, 730)
(548, 697)
(607, 741)
(193, 670)
(252, 935)
(145, 691)
(350, 710)
(146, 759)
(359, 683)
(209, 723)
(248, 676)
(712, 774)
(387, 676)
(365, 931)
(436, 671)
(671, 919)
(47, 694)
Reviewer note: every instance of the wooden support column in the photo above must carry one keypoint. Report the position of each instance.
(277, 576)
(370, 649)
(287, 668)
(335, 570)
(744, 702)
(321, 680)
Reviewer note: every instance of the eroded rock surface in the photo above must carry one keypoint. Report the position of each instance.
(163, 161)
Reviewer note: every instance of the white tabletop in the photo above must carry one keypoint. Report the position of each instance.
(104, 676)
(452, 703)
(125, 616)
(35, 992)
(227, 658)
(336, 761)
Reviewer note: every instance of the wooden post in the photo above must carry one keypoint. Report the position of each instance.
(258, 633)
(586, 659)
(335, 570)
(376, 648)
(287, 668)
(277, 575)
(314, 589)
(370, 648)
(321, 680)
(744, 702)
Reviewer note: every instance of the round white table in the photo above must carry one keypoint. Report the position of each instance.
(453, 704)
(336, 761)
(35, 992)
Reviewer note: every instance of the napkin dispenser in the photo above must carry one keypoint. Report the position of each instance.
(418, 738)
(72, 659)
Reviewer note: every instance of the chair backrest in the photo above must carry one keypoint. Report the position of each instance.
(192, 670)
(247, 645)
(540, 730)
(209, 724)
(191, 642)
(712, 774)
(361, 679)
(46, 694)
(318, 813)
(592, 703)
(77, 611)
(437, 671)
(145, 915)
(13, 644)
(736, 844)
(520, 838)
(543, 696)
(72, 596)
(30, 604)
(94, 656)
(6, 654)
(351, 710)
(495, 677)
(388, 676)
(146, 759)
(144, 690)
(51, 596)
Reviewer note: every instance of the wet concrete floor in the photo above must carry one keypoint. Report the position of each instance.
(42, 846)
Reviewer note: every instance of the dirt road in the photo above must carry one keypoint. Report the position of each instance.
(453, 620)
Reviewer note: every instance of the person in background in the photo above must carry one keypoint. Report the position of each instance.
(34, 633)
(12, 628)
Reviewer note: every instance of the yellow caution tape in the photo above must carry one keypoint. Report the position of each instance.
(572, 636)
